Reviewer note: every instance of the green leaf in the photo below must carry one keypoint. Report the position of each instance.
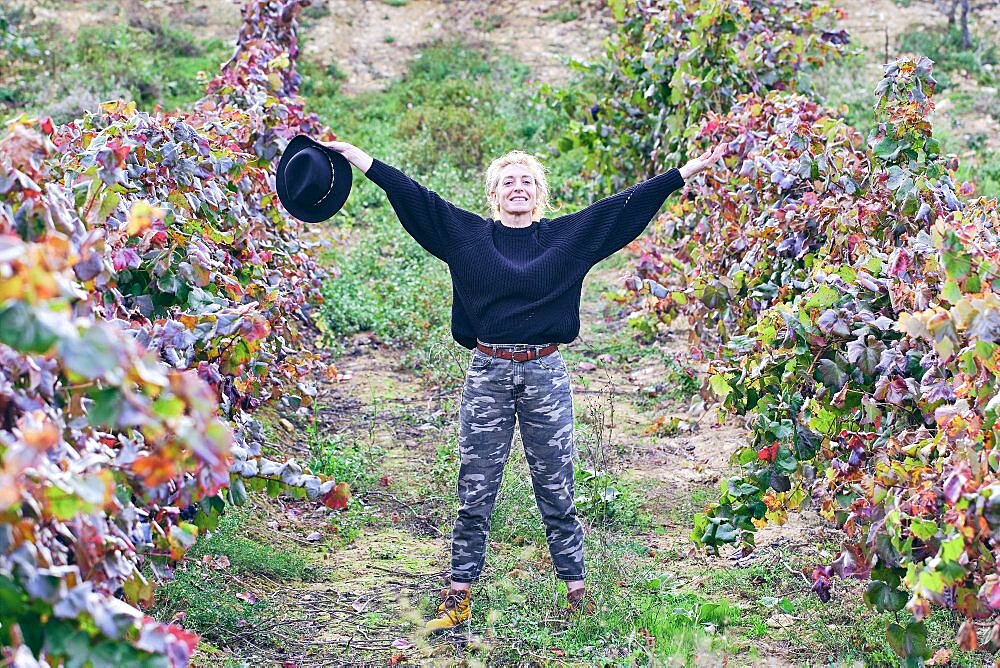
(887, 148)
(823, 421)
(65, 505)
(923, 529)
(909, 641)
(21, 329)
(884, 598)
(830, 374)
(824, 297)
(719, 531)
(720, 386)
(106, 407)
(168, 407)
(956, 262)
(786, 461)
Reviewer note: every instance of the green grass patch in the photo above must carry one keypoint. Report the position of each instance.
(154, 63)
(638, 617)
(248, 556)
(344, 457)
(353, 523)
(563, 15)
(215, 604)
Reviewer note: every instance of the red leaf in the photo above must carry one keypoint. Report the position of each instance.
(385, 480)
(337, 498)
(768, 452)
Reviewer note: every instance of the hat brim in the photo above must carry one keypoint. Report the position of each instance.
(342, 180)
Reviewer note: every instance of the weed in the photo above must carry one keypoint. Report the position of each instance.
(489, 23)
(563, 15)
(316, 11)
(343, 457)
(249, 556)
(445, 466)
(352, 523)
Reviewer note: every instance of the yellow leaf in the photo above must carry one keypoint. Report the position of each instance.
(141, 216)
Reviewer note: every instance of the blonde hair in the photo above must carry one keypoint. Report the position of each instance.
(517, 157)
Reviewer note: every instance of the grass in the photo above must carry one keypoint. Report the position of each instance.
(222, 604)
(562, 15)
(153, 63)
(636, 617)
(344, 457)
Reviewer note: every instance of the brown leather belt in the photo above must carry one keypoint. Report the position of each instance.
(517, 355)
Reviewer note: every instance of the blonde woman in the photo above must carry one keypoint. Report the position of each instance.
(516, 280)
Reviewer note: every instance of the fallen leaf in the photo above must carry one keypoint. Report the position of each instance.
(402, 643)
(780, 621)
(247, 596)
(314, 536)
(385, 480)
(942, 657)
(967, 636)
(557, 651)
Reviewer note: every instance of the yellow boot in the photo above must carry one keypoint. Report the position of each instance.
(455, 609)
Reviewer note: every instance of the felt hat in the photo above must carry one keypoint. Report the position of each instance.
(312, 181)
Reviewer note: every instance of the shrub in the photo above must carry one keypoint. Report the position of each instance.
(671, 62)
(151, 294)
(854, 287)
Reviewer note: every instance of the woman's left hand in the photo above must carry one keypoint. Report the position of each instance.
(704, 160)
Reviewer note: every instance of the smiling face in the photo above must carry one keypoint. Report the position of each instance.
(516, 190)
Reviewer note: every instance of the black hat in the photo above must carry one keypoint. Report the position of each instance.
(313, 181)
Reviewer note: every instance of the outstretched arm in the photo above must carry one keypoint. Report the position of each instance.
(353, 154)
(613, 222)
(703, 161)
(435, 223)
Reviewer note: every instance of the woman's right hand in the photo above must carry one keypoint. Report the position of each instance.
(352, 153)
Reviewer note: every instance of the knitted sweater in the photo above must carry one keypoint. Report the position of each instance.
(520, 285)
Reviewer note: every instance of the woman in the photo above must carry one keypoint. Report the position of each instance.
(516, 283)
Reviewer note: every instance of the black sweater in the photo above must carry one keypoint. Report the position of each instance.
(520, 285)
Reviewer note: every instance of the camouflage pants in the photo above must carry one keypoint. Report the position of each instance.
(536, 395)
